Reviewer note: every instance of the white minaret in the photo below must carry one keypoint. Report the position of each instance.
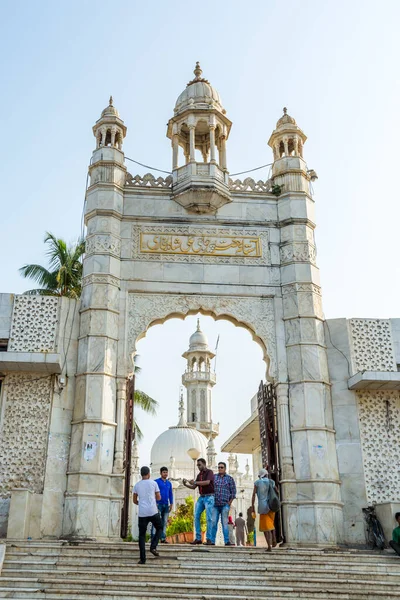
(199, 380)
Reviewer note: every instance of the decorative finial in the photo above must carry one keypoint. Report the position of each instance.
(284, 110)
(111, 101)
(198, 324)
(182, 420)
(197, 71)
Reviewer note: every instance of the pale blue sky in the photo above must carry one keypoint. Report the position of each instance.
(335, 65)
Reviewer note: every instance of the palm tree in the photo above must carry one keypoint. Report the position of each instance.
(64, 275)
(143, 401)
(64, 278)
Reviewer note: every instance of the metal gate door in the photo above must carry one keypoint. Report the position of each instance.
(267, 415)
(129, 436)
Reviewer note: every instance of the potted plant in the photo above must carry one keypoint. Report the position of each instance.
(180, 526)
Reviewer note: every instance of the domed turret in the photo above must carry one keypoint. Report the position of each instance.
(198, 340)
(287, 139)
(289, 170)
(199, 123)
(110, 129)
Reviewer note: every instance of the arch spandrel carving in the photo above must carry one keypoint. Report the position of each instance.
(255, 314)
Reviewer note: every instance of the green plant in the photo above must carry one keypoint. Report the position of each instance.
(182, 520)
(276, 190)
(64, 275)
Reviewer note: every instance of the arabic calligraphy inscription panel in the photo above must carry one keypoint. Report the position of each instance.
(202, 245)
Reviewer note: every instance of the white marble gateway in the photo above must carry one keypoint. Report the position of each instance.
(194, 241)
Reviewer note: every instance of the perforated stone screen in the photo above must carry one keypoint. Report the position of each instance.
(372, 345)
(380, 439)
(34, 324)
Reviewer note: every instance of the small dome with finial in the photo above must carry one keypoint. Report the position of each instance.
(110, 110)
(199, 93)
(285, 120)
(198, 340)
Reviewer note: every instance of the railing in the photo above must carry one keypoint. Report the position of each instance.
(199, 376)
(149, 181)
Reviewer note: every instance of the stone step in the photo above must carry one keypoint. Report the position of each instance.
(210, 568)
(225, 555)
(177, 549)
(33, 594)
(15, 569)
(256, 588)
(141, 573)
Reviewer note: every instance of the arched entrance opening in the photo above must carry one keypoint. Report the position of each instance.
(237, 368)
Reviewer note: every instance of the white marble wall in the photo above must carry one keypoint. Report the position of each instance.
(346, 424)
(39, 406)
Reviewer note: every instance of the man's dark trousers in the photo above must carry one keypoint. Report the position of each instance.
(155, 520)
(395, 546)
(163, 509)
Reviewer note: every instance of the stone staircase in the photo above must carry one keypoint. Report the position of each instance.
(93, 571)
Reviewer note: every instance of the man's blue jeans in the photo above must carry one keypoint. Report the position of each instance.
(163, 510)
(222, 511)
(204, 503)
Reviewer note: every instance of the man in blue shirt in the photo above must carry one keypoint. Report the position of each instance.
(165, 504)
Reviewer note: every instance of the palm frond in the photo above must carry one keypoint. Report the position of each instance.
(138, 431)
(41, 292)
(145, 402)
(64, 276)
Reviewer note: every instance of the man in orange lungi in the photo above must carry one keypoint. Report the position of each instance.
(262, 487)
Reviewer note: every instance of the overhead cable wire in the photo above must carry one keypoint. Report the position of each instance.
(250, 170)
(170, 173)
(147, 166)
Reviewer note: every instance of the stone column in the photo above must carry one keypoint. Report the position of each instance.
(191, 143)
(223, 152)
(94, 493)
(313, 507)
(212, 143)
(120, 433)
(175, 152)
(286, 146)
(285, 444)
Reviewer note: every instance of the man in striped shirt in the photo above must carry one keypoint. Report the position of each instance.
(225, 493)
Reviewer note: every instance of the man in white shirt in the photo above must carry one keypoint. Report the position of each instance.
(146, 494)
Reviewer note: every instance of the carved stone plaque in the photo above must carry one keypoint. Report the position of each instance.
(198, 244)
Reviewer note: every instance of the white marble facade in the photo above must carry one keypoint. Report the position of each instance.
(193, 241)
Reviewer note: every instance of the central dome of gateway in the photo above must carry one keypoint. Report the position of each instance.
(199, 93)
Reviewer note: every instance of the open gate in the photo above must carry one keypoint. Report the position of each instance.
(129, 437)
(267, 415)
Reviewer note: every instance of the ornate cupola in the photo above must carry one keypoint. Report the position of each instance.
(109, 130)
(108, 162)
(199, 124)
(289, 170)
(199, 380)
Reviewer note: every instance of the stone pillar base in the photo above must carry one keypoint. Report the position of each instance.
(25, 515)
(92, 516)
(313, 524)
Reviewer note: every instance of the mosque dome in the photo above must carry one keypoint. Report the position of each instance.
(198, 340)
(175, 442)
(199, 93)
(173, 445)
